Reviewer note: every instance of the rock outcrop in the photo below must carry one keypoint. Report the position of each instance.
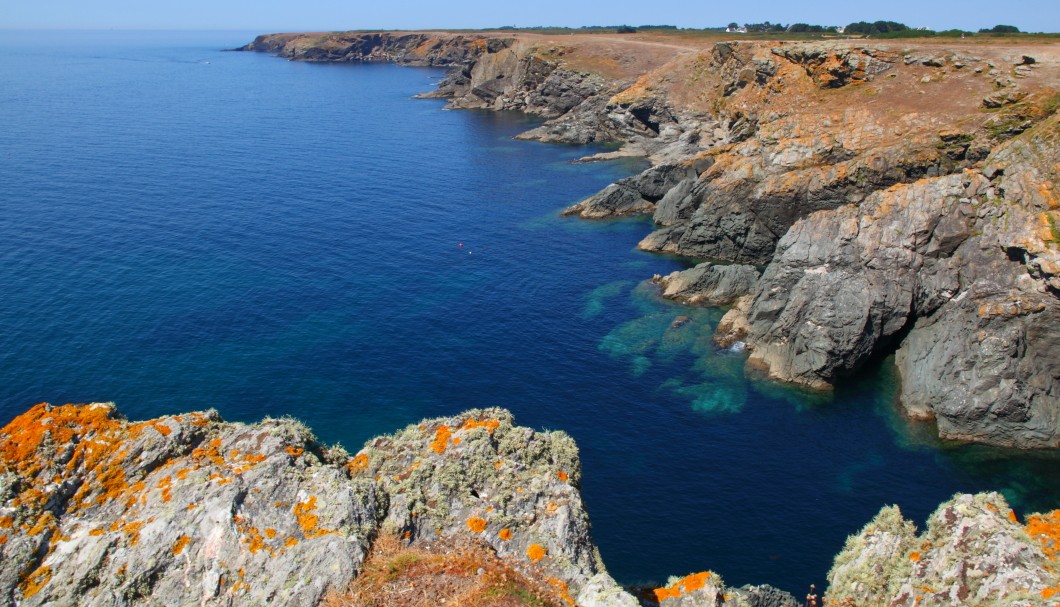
(191, 510)
(188, 509)
(708, 284)
(898, 198)
(958, 269)
(973, 552)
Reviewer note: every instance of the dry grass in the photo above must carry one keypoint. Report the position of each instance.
(461, 573)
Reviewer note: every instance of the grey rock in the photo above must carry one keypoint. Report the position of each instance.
(844, 283)
(973, 552)
(708, 284)
(632, 195)
(766, 596)
(984, 367)
(189, 510)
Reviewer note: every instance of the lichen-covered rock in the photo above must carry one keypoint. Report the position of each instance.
(191, 510)
(707, 589)
(188, 509)
(973, 552)
(511, 487)
(708, 284)
(182, 509)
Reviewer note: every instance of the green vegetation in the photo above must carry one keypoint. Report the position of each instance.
(1001, 29)
(877, 27)
(767, 30)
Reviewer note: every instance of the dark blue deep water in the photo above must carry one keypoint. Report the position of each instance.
(182, 228)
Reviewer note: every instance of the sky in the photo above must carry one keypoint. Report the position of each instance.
(330, 15)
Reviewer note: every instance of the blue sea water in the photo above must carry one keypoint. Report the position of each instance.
(184, 228)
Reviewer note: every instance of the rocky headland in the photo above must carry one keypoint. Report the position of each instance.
(192, 510)
(853, 198)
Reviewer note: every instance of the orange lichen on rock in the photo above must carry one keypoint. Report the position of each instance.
(476, 524)
(46, 522)
(96, 437)
(132, 530)
(307, 521)
(562, 475)
(294, 451)
(359, 463)
(536, 552)
(33, 582)
(489, 424)
(166, 485)
(685, 585)
(505, 534)
(1048, 593)
(1045, 529)
(254, 540)
(270, 533)
(441, 439)
(181, 544)
(915, 557)
(6, 522)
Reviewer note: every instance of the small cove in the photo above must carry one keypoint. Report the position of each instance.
(182, 228)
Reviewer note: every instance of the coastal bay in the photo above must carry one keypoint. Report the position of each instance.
(279, 238)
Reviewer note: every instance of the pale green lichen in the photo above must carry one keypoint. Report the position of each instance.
(873, 559)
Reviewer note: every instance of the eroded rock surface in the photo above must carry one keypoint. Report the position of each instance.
(191, 510)
(708, 284)
(188, 509)
(960, 269)
(973, 552)
(898, 197)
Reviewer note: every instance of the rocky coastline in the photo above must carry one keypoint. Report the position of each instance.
(192, 510)
(886, 198)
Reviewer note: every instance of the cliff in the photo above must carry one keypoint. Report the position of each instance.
(192, 510)
(912, 184)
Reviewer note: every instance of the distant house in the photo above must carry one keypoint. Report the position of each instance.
(839, 29)
(736, 30)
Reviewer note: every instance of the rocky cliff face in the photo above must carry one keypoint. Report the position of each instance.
(891, 197)
(188, 509)
(191, 510)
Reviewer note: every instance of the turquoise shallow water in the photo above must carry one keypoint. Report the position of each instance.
(182, 228)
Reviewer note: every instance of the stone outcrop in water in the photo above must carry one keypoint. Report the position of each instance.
(708, 284)
(897, 198)
(189, 509)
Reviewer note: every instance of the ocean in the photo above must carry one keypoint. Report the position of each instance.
(184, 228)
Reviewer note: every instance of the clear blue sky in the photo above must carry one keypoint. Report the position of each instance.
(306, 15)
